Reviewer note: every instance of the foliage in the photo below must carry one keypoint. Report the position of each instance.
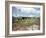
(27, 21)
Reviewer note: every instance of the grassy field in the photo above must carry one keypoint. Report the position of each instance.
(23, 23)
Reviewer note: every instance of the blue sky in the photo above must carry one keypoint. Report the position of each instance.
(25, 11)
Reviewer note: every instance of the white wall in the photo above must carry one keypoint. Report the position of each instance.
(2, 21)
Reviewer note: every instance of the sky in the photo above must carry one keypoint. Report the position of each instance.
(25, 11)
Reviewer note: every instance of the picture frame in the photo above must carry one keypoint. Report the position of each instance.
(8, 17)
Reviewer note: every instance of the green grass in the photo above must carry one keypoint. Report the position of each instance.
(18, 23)
(26, 22)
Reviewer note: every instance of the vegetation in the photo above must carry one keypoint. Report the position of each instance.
(24, 22)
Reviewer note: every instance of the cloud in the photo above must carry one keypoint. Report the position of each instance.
(23, 11)
(26, 10)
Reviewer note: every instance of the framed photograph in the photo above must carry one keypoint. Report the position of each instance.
(24, 18)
